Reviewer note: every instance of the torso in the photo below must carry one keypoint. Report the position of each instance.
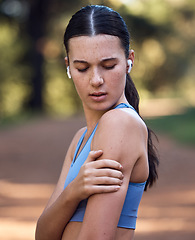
(73, 228)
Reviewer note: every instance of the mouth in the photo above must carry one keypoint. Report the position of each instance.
(98, 96)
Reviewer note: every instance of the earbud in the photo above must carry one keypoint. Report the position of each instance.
(68, 72)
(130, 65)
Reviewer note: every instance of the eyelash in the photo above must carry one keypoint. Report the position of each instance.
(111, 67)
(107, 68)
(83, 70)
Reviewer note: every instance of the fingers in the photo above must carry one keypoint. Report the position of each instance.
(102, 163)
(107, 163)
(101, 176)
(93, 185)
(93, 155)
(106, 181)
(108, 173)
(104, 189)
(102, 167)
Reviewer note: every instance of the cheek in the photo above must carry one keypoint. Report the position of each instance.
(78, 87)
(81, 87)
(118, 80)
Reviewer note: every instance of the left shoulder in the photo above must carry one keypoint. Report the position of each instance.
(121, 133)
(121, 119)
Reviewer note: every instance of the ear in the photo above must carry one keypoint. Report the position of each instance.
(131, 55)
(130, 60)
(66, 61)
(67, 67)
(130, 64)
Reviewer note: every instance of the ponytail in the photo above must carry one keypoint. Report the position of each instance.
(132, 97)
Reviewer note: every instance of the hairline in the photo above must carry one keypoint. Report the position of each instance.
(94, 35)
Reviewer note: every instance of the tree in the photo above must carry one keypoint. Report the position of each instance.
(32, 18)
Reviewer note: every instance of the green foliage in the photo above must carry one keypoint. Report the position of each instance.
(180, 127)
(163, 38)
(14, 88)
(164, 42)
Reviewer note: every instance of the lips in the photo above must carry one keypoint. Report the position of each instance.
(98, 96)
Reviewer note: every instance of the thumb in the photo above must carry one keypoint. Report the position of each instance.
(93, 155)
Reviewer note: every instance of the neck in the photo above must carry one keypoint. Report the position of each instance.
(92, 118)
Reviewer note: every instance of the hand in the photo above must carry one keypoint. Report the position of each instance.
(97, 176)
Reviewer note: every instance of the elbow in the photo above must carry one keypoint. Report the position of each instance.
(44, 231)
(38, 231)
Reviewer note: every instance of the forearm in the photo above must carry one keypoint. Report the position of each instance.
(53, 220)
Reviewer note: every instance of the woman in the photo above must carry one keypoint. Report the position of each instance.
(111, 161)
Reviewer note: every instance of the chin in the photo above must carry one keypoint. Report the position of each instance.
(105, 106)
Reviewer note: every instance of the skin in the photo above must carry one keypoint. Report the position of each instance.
(98, 67)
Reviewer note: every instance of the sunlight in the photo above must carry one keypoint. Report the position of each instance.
(164, 224)
(154, 52)
(25, 191)
(11, 229)
(162, 107)
(22, 204)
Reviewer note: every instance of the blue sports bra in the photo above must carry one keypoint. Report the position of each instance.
(134, 193)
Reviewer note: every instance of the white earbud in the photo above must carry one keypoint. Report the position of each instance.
(130, 65)
(68, 72)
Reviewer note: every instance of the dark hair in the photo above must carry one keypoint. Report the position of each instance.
(93, 20)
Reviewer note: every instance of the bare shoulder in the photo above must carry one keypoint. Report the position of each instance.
(123, 120)
(72, 147)
(79, 133)
(76, 138)
(121, 133)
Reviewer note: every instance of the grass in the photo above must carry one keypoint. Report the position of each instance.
(180, 127)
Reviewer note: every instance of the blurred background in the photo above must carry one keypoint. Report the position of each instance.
(32, 70)
(40, 110)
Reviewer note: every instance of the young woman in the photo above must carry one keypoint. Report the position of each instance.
(111, 161)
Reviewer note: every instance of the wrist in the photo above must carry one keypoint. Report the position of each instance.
(71, 195)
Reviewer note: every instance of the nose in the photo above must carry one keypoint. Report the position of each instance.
(96, 79)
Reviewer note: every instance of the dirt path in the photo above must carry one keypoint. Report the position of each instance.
(31, 157)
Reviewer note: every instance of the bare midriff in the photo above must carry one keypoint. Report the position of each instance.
(73, 228)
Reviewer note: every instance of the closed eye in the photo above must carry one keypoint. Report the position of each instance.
(109, 67)
(83, 69)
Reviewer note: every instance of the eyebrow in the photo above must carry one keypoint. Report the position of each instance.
(103, 60)
(79, 61)
(108, 59)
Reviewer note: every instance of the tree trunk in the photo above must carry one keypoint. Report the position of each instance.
(36, 28)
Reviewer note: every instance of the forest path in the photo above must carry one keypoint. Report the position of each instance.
(31, 156)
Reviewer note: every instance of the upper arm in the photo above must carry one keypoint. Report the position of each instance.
(121, 138)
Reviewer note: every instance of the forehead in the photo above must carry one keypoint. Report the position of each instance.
(95, 47)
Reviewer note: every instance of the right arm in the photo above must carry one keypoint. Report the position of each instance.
(63, 202)
(59, 208)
